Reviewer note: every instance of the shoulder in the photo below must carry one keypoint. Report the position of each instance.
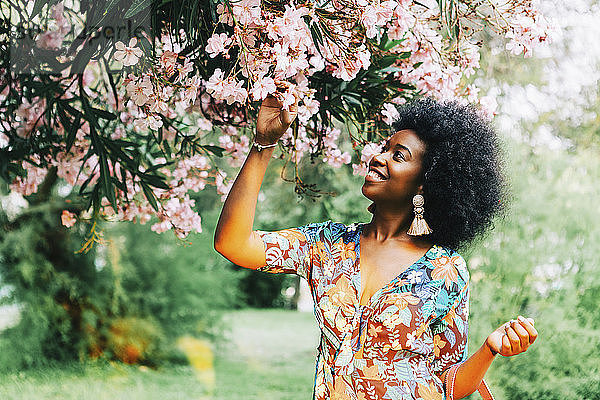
(449, 265)
(460, 264)
(328, 231)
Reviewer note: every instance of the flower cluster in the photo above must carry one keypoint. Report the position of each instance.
(256, 49)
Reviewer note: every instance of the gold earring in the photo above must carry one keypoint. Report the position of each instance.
(419, 225)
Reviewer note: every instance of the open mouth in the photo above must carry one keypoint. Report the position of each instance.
(376, 176)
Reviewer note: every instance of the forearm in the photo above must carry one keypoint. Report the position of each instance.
(233, 234)
(471, 372)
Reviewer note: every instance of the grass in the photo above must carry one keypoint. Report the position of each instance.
(267, 354)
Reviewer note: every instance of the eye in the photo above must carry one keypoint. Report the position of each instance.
(399, 156)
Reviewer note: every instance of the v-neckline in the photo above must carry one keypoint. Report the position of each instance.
(359, 230)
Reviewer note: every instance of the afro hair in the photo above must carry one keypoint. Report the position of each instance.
(463, 182)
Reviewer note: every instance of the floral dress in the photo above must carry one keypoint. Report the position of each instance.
(397, 345)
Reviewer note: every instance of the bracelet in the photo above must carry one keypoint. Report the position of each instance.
(260, 147)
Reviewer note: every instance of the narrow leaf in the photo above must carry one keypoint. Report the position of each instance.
(136, 7)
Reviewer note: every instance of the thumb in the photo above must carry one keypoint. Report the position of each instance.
(288, 116)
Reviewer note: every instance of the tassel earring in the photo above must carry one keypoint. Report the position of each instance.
(419, 225)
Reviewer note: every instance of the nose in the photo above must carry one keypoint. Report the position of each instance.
(377, 160)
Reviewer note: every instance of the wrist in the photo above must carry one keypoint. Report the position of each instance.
(260, 146)
(489, 348)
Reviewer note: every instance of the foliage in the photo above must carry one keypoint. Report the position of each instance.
(184, 287)
(541, 262)
(55, 289)
(132, 126)
(128, 299)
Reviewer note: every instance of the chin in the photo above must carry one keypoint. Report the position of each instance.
(368, 192)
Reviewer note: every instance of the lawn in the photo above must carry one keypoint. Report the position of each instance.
(267, 354)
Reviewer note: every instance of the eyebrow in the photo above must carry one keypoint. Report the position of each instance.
(400, 146)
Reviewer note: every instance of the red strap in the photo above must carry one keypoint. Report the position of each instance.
(483, 388)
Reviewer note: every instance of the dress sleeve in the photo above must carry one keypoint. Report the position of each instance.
(450, 332)
(290, 250)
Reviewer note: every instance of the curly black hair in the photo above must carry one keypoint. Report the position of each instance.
(463, 180)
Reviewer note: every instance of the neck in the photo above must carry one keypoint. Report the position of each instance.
(390, 224)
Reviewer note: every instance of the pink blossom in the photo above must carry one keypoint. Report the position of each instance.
(154, 122)
(390, 113)
(488, 106)
(168, 60)
(216, 83)
(368, 151)
(204, 124)
(68, 219)
(183, 69)
(336, 158)
(29, 184)
(263, 87)
(3, 140)
(236, 146)
(50, 40)
(247, 12)
(128, 55)
(217, 43)
(289, 98)
(225, 15)
(223, 188)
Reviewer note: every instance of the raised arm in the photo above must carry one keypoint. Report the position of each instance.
(234, 237)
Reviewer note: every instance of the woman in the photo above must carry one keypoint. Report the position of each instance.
(391, 296)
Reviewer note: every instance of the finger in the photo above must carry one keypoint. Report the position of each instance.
(522, 333)
(533, 334)
(515, 342)
(273, 100)
(289, 115)
(506, 350)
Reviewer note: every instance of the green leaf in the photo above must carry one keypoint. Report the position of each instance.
(136, 7)
(83, 57)
(149, 195)
(216, 150)
(37, 7)
(154, 180)
(157, 166)
(386, 61)
(72, 133)
(118, 184)
(106, 182)
(103, 114)
(85, 184)
(400, 85)
(106, 12)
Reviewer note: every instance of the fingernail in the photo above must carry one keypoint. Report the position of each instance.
(520, 318)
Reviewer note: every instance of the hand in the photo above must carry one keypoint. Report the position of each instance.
(512, 337)
(272, 120)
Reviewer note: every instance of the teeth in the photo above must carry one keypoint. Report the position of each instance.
(375, 175)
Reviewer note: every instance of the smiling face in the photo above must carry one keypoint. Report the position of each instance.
(395, 175)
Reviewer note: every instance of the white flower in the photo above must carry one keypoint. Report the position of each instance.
(140, 92)
(217, 44)
(128, 55)
(262, 88)
(415, 276)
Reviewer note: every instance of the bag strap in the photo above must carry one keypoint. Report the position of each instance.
(483, 388)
